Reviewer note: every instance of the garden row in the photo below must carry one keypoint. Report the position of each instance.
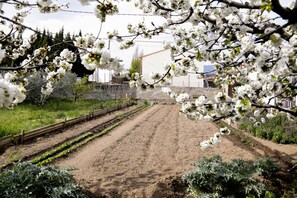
(76, 142)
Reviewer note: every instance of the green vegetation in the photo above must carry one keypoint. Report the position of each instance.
(60, 148)
(278, 129)
(136, 64)
(28, 116)
(45, 159)
(81, 87)
(74, 144)
(216, 178)
(27, 180)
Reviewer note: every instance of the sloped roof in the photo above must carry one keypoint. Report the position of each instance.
(146, 55)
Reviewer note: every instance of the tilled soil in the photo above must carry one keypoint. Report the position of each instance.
(146, 155)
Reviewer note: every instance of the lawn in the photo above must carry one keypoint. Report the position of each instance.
(28, 116)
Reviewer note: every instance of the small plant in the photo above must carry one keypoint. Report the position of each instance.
(145, 102)
(269, 194)
(136, 64)
(27, 180)
(267, 168)
(15, 156)
(81, 87)
(216, 178)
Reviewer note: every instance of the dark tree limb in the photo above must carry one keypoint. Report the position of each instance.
(285, 13)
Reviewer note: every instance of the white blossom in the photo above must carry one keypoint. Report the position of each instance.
(155, 76)
(200, 101)
(11, 94)
(257, 113)
(182, 97)
(205, 145)
(166, 90)
(68, 55)
(48, 89)
(44, 3)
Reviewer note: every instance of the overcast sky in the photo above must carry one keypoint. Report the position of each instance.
(88, 23)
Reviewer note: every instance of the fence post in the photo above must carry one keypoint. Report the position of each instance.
(64, 122)
(22, 136)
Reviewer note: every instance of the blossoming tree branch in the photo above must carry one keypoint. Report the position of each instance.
(251, 42)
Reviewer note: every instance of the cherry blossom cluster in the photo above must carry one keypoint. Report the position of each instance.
(92, 51)
(11, 94)
(94, 54)
(57, 69)
(252, 44)
(105, 8)
(48, 6)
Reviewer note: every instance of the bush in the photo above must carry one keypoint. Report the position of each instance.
(81, 87)
(26, 180)
(64, 86)
(215, 178)
(33, 89)
(267, 168)
(278, 129)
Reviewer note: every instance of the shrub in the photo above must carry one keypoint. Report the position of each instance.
(27, 180)
(278, 129)
(33, 89)
(215, 178)
(81, 87)
(64, 86)
(267, 168)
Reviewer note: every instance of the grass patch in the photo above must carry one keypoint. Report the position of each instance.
(28, 116)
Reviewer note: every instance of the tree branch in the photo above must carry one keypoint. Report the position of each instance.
(240, 5)
(293, 113)
(285, 13)
(155, 3)
(21, 25)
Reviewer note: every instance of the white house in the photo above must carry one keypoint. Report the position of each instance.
(154, 62)
(101, 76)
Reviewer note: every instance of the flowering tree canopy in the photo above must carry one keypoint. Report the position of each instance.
(251, 42)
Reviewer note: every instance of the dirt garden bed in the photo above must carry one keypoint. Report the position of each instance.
(146, 156)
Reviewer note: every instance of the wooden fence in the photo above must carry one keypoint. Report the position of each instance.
(25, 136)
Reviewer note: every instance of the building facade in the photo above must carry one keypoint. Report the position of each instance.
(154, 62)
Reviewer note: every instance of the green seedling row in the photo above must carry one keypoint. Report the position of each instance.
(76, 146)
(60, 148)
(72, 145)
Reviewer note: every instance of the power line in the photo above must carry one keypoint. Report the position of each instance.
(118, 14)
